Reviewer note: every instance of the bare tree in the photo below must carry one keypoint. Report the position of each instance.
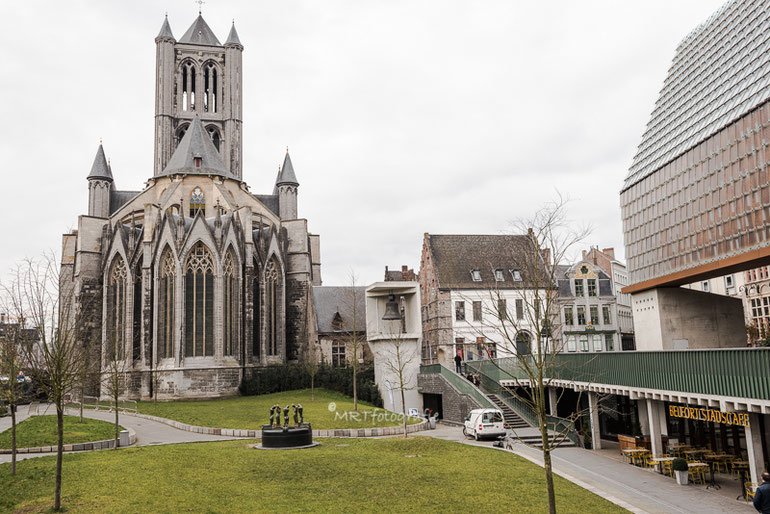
(310, 361)
(114, 380)
(398, 358)
(54, 350)
(355, 336)
(10, 366)
(531, 333)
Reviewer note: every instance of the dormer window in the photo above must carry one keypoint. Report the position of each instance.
(499, 277)
(476, 275)
(197, 161)
(516, 275)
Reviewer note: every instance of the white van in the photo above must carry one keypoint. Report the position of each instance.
(484, 423)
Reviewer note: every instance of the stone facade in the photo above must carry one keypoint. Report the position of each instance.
(193, 280)
(454, 404)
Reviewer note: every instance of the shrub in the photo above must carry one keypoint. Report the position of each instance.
(3, 410)
(289, 377)
(679, 464)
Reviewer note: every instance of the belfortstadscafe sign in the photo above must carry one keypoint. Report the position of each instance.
(714, 416)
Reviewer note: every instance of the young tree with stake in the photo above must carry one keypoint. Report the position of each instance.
(54, 351)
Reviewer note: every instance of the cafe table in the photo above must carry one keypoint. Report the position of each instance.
(631, 452)
(660, 460)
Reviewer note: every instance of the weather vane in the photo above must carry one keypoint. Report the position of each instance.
(200, 5)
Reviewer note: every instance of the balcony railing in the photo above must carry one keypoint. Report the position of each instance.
(734, 372)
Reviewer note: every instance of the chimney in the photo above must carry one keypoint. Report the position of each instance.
(386, 273)
(584, 255)
(404, 269)
(547, 256)
(610, 252)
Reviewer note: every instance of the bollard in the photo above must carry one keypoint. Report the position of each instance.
(124, 439)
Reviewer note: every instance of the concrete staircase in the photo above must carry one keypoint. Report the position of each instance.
(513, 420)
(523, 431)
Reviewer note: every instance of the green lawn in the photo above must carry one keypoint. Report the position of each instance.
(251, 412)
(41, 431)
(419, 474)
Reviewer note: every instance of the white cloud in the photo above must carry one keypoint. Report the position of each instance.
(402, 117)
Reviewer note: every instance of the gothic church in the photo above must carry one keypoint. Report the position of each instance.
(194, 280)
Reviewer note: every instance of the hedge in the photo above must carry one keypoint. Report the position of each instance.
(289, 377)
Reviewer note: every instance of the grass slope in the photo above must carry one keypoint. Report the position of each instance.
(342, 475)
(251, 412)
(41, 431)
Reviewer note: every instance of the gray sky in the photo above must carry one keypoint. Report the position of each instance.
(402, 117)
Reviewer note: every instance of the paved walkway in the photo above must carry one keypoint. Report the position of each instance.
(634, 488)
(147, 432)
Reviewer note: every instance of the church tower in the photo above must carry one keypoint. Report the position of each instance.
(197, 75)
(100, 184)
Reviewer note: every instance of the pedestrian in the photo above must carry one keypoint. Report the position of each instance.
(469, 376)
(762, 496)
(458, 363)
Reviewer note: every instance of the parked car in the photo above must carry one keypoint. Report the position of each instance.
(484, 423)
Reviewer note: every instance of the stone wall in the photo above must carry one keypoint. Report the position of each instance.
(455, 406)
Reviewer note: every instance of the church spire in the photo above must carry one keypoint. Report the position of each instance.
(286, 175)
(232, 37)
(100, 170)
(165, 31)
(200, 33)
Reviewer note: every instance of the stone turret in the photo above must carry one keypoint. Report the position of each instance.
(286, 187)
(100, 183)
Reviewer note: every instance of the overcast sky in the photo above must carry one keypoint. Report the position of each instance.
(445, 117)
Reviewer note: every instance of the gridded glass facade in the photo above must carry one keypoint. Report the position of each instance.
(710, 203)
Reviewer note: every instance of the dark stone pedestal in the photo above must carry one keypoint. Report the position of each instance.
(290, 437)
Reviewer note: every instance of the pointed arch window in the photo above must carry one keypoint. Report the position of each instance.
(136, 325)
(116, 309)
(256, 347)
(272, 306)
(166, 296)
(229, 304)
(215, 137)
(181, 131)
(210, 88)
(188, 86)
(197, 202)
(199, 302)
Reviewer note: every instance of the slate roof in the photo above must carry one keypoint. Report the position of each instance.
(454, 256)
(720, 71)
(270, 201)
(165, 31)
(120, 198)
(330, 300)
(232, 37)
(286, 173)
(199, 33)
(100, 169)
(196, 143)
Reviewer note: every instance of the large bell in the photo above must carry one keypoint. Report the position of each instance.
(391, 309)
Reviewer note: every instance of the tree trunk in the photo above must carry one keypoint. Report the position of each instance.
(13, 438)
(403, 407)
(547, 467)
(59, 453)
(117, 424)
(355, 380)
(312, 386)
(82, 397)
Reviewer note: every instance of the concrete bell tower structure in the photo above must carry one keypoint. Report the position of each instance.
(197, 75)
